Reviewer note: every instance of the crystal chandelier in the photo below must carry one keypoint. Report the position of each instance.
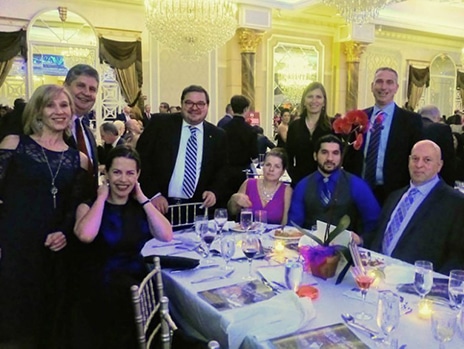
(191, 27)
(359, 11)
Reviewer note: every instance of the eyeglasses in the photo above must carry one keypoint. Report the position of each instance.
(199, 105)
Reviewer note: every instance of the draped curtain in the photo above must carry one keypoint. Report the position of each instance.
(11, 44)
(460, 84)
(419, 79)
(126, 60)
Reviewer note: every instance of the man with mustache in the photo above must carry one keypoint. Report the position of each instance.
(330, 192)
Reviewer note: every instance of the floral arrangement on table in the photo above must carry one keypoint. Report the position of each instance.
(323, 258)
(352, 126)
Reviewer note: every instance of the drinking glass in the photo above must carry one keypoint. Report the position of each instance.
(246, 219)
(227, 250)
(261, 221)
(250, 247)
(199, 222)
(220, 217)
(456, 288)
(207, 235)
(443, 325)
(293, 273)
(364, 282)
(388, 314)
(423, 277)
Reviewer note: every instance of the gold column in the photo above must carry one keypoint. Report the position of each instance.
(353, 52)
(249, 40)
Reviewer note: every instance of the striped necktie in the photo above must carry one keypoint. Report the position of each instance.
(398, 218)
(373, 149)
(190, 175)
(325, 191)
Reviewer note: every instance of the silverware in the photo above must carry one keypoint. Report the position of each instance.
(215, 277)
(268, 284)
(196, 268)
(350, 321)
(167, 245)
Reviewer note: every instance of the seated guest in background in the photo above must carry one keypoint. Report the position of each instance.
(266, 193)
(436, 131)
(110, 137)
(262, 140)
(330, 192)
(121, 126)
(164, 108)
(424, 221)
(134, 129)
(115, 227)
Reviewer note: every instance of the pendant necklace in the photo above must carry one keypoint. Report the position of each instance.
(53, 189)
(268, 195)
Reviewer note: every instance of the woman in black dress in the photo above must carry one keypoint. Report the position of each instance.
(304, 132)
(115, 227)
(38, 176)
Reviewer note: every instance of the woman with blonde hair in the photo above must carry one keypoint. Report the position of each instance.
(38, 176)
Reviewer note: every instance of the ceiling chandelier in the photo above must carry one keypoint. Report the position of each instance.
(191, 27)
(359, 11)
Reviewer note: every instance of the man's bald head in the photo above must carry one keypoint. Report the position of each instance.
(424, 162)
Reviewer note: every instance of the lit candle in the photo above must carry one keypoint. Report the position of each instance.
(279, 246)
(425, 309)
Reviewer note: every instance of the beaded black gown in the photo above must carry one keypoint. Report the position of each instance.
(31, 275)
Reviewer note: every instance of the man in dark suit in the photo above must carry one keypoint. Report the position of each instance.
(82, 82)
(242, 141)
(226, 118)
(399, 131)
(125, 115)
(146, 115)
(167, 157)
(111, 138)
(424, 220)
(441, 134)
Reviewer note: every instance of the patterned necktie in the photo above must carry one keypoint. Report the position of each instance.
(81, 146)
(190, 176)
(398, 218)
(325, 192)
(373, 149)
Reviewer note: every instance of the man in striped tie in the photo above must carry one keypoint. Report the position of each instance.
(183, 156)
(383, 160)
(424, 220)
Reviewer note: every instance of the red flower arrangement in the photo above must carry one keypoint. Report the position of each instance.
(356, 123)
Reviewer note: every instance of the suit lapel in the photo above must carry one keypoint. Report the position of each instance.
(175, 140)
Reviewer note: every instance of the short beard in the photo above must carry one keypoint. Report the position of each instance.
(324, 171)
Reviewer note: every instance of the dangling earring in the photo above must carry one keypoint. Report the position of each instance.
(39, 124)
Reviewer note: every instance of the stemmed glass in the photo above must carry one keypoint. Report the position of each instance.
(207, 235)
(250, 247)
(227, 250)
(443, 325)
(456, 288)
(246, 219)
(261, 221)
(364, 282)
(388, 314)
(423, 277)
(220, 217)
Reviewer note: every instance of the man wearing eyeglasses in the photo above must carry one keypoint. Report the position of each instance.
(183, 156)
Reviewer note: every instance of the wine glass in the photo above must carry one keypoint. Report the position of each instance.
(207, 235)
(250, 247)
(246, 219)
(220, 217)
(388, 314)
(261, 221)
(456, 288)
(293, 273)
(227, 250)
(363, 281)
(423, 277)
(443, 325)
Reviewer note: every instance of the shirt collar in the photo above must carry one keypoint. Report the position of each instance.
(332, 178)
(389, 109)
(426, 187)
(199, 127)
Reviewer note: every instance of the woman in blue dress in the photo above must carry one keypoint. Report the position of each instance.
(115, 227)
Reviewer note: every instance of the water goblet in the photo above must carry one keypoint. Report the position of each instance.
(246, 219)
(199, 222)
(388, 314)
(250, 247)
(293, 273)
(207, 235)
(443, 325)
(423, 277)
(261, 221)
(227, 250)
(220, 217)
(364, 282)
(456, 288)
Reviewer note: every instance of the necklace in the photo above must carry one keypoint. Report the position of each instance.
(53, 189)
(268, 195)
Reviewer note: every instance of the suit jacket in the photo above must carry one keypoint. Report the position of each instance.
(442, 135)
(405, 131)
(435, 231)
(104, 149)
(158, 146)
(224, 121)
(121, 117)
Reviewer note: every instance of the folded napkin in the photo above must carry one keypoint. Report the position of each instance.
(276, 273)
(174, 262)
(372, 298)
(269, 319)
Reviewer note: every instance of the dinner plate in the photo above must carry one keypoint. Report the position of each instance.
(286, 229)
(236, 228)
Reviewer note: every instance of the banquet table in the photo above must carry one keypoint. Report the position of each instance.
(255, 325)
